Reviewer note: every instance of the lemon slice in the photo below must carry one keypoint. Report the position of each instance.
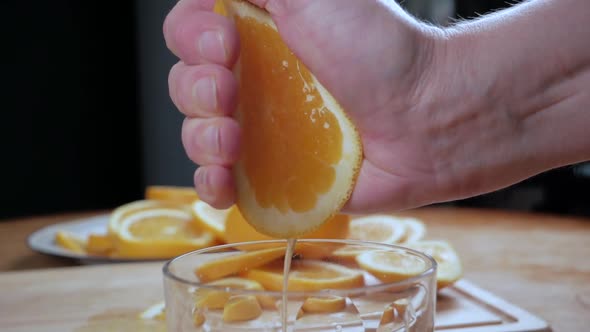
(156, 311)
(307, 275)
(210, 218)
(300, 153)
(237, 262)
(70, 242)
(159, 233)
(449, 265)
(390, 266)
(182, 195)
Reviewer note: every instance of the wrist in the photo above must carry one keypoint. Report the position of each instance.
(476, 141)
(500, 113)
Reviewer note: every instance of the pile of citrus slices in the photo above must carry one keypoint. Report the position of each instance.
(171, 221)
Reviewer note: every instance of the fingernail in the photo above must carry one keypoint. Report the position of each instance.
(211, 139)
(204, 93)
(211, 46)
(202, 183)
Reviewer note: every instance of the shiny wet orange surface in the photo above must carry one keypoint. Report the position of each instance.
(290, 140)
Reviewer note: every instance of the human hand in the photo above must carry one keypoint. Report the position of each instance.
(423, 111)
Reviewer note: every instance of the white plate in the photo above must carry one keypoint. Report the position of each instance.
(43, 240)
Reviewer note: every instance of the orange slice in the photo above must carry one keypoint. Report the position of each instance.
(449, 265)
(415, 230)
(99, 244)
(159, 233)
(198, 318)
(71, 242)
(237, 229)
(216, 299)
(183, 195)
(241, 308)
(125, 210)
(300, 152)
(235, 263)
(394, 312)
(390, 266)
(307, 275)
(324, 304)
(210, 218)
(375, 228)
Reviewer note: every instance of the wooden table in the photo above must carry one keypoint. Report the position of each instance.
(538, 262)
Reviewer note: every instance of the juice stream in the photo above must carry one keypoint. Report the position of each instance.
(286, 269)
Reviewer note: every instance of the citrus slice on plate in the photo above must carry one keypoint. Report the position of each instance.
(159, 233)
(375, 228)
(71, 242)
(183, 195)
(125, 210)
(233, 263)
(415, 230)
(449, 265)
(210, 218)
(307, 275)
(300, 153)
(99, 244)
(390, 266)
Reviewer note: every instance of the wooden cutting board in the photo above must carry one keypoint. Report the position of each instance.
(77, 299)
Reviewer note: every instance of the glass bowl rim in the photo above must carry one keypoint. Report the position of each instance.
(428, 272)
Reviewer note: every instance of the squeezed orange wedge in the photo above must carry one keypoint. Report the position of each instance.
(287, 187)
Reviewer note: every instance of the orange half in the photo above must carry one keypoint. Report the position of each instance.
(300, 152)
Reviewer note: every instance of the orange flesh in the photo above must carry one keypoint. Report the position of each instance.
(162, 228)
(290, 140)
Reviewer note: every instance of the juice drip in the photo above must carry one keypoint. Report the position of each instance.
(286, 269)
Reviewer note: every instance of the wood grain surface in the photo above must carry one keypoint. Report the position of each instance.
(538, 262)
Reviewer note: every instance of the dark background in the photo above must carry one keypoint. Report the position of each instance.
(86, 122)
